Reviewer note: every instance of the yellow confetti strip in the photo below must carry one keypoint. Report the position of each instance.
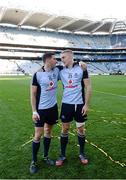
(72, 133)
(97, 111)
(117, 162)
(123, 138)
(26, 143)
(114, 122)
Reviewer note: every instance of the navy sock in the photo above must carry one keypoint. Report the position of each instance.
(46, 143)
(81, 141)
(35, 148)
(63, 143)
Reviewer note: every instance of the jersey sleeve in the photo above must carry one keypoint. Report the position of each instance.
(34, 80)
(85, 74)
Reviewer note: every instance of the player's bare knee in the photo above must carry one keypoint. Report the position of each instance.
(81, 130)
(38, 135)
(47, 132)
(65, 130)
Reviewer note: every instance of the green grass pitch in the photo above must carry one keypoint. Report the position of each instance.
(105, 129)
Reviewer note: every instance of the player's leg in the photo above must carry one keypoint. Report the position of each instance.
(66, 116)
(64, 138)
(51, 119)
(39, 128)
(47, 138)
(35, 148)
(36, 142)
(80, 122)
(63, 143)
(81, 141)
(46, 143)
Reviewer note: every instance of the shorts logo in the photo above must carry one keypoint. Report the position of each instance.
(63, 117)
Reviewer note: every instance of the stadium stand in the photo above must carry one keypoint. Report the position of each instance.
(21, 49)
(25, 67)
(13, 35)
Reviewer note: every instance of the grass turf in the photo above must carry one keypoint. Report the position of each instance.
(106, 130)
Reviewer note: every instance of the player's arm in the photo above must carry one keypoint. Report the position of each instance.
(34, 86)
(88, 93)
(33, 98)
(83, 65)
(35, 115)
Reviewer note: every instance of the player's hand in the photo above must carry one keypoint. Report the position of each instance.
(35, 116)
(84, 110)
(83, 65)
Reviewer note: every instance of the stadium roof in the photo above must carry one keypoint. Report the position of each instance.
(45, 19)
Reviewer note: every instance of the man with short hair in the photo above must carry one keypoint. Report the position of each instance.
(44, 106)
(75, 104)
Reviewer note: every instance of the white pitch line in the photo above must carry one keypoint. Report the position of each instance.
(110, 94)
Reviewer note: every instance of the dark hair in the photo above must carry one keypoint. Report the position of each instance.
(47, 55)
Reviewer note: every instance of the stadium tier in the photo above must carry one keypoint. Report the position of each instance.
(21, 50)
(25, 67)
(58, 39)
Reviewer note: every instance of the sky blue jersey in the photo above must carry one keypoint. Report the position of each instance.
(72, 80)
(46, 83)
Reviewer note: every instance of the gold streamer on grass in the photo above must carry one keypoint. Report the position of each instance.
(26, 143)
(114, 122)
(72, 133)
(109, 157)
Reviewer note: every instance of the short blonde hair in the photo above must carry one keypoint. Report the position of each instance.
(67, 51)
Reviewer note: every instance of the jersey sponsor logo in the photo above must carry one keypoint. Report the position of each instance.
(70, 84)
(51, 86)
(51, 89)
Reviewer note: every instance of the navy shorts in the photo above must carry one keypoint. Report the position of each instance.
(49, 116)
(70, 111)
